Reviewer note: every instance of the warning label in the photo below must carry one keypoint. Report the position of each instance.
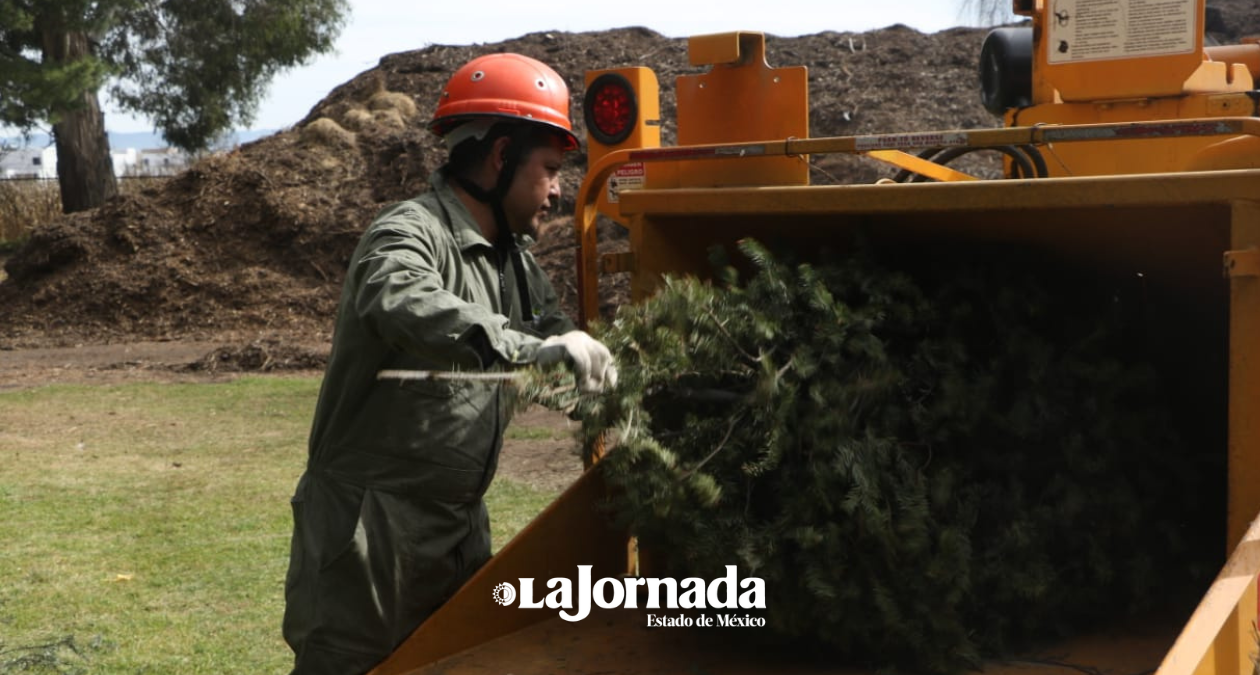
(906, 141)
(1094, 30)
(629, 176)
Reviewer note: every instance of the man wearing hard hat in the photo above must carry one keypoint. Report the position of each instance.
(389, 518)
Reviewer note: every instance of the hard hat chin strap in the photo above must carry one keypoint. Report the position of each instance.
(505, 242)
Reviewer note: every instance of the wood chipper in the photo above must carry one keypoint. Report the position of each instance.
(1128, 146)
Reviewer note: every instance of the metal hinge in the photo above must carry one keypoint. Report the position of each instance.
(1244, 263)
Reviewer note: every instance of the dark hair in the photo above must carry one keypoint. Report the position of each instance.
(465, 158)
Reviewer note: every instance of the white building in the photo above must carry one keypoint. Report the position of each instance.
(124, 161)
(28, 163)
(161, 162)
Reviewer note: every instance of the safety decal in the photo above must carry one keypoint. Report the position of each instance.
(629, 176)
(905, 141)
(1095, 30)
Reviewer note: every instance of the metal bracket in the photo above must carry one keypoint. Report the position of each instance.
(1245, 263)
(612, 263)
(909, 162)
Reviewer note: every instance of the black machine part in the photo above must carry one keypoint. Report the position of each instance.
(1006, 69)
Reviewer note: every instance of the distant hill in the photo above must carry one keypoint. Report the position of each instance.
(140, 140)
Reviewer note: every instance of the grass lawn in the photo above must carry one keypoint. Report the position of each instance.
(146, 527)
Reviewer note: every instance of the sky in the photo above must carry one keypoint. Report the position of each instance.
(379, 27)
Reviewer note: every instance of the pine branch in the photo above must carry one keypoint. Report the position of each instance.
(971, 439)
(721, 328)
(730, 428)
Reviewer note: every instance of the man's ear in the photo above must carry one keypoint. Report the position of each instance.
(498, 155)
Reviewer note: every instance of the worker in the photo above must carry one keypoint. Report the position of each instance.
(389, 516)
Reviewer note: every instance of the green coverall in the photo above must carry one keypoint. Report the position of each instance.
(389, 519)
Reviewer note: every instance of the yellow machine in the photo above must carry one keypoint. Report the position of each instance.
(1129, 147)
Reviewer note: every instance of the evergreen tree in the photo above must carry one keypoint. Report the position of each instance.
(924, 467)
(195, 67)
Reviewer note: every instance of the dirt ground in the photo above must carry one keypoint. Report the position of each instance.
(236, 264)
(256, 240)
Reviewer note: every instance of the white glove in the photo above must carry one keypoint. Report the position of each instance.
(591, 361)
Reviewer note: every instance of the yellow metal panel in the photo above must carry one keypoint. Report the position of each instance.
(1229, 105)
(646, 134)
(1244, 263)
(1244, 379)
(905, 160)
(647, 129)
(572, 531)
(1242, 152)
(1144, 155)
(709, 50)
(1102, 193)
(618, 641)
(1220, 637)
(1171, 218)
(1212, 77)
(1114, 77)
(739, 100)
(1245, 55)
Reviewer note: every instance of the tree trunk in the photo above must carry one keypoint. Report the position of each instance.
(85, 169)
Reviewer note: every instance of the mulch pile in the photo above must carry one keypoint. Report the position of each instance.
(252, 244)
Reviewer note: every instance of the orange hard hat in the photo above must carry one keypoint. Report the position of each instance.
(512, 86)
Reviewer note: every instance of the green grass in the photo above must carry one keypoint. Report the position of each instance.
(151, 524)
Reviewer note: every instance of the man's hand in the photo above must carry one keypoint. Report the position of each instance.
(591, 361)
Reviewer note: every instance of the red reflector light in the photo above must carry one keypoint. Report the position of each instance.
(613, 110)
(610, 109)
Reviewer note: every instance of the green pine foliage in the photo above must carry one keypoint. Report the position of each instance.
(925, 468)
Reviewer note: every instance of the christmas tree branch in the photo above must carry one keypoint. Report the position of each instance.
(730, 428)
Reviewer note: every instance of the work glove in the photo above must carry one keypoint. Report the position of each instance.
(590, 360)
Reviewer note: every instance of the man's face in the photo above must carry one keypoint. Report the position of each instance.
(535, 189)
